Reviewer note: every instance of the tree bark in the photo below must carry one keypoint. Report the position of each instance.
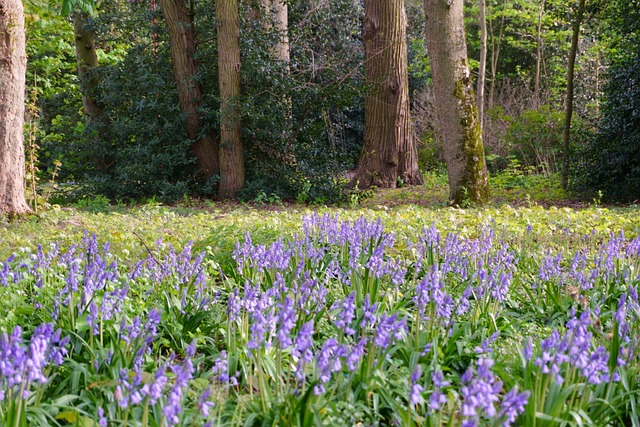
(278, 14)
(536, 86)
(482, 71)
(569, 96)
(495, 54)
(231, 151)
(185, 72)
(13, 66)
(456, 108)
(87, 60)
(389, 149)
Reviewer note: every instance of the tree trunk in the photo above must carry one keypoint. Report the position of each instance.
(495, 54)
(456, 108)
(278, 14)
(483, 61)
(389, 150)
(569, 96)
(185, 72)
(13, 66)
(87, 60)
(536, 86)
(231, 154)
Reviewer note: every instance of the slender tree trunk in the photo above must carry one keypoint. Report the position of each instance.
(536, 86)
(456, 108)
(569, 96)
(483, 61)
(389, 148)
(231, 154)
(13, 66)
(185, 72)
(495, 55)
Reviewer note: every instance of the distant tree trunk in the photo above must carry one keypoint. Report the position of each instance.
(87, 60)
(231, 154)
(495, 54)
(13, 66)
(536, 85)
(278, 14)
(482, 71)
(389, 148)
(276, 19)
(185, 72)
(569, 97)
(455, 102)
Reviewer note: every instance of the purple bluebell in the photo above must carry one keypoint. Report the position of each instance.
(347, 314)
(437, 397)
(513, 404)
(389, 329)
(415, 395)
(303, 349)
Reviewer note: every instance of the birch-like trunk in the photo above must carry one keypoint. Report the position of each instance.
(456, 108)
(185, 72)
(231, 151)
(13, 66)
(389, 149)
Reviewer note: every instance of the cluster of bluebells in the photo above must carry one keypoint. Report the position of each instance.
(585, 269)
(480, 394)
(24, 363)
(575, 348)
(132, 391)
(309, 301)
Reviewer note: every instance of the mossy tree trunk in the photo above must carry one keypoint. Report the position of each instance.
(456, 108)
(13, 66)
(185, 72)
(389, 149)
(231, 154)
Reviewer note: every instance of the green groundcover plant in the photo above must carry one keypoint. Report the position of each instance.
(340, 322)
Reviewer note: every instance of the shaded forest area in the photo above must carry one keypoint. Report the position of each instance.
(136, 99)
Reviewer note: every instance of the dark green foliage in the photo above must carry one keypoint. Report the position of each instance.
(143, 142)
(611, 161)
(303, 127)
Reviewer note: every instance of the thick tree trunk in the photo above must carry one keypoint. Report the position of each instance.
(185, 72)
(389, 150)
(569, 97)
(456, 108)
(231, 154)
(13, 66)
(482, 71)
